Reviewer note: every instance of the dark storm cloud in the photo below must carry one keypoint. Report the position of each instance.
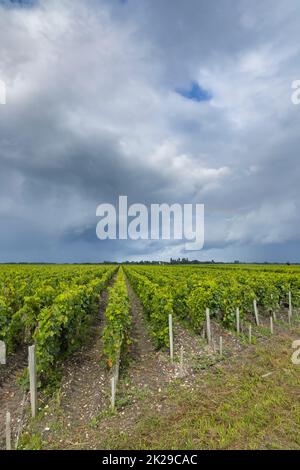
(92, 113)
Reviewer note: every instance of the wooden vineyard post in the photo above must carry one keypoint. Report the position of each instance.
(274, 316)
(208, 330)
(32, 379)
(255, 311)
(181, 362)
(113, 392)
(271, 325)
(8, 431)
(2, 353)
(238, 320)
(117, 367)
(221, 346)
(250, 334)
(290, 313)
(171, 337)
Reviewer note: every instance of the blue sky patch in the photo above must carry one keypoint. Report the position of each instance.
(194, 92)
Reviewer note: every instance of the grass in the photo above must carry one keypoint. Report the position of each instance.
(30, 441)
(205, 362)
(236, 406)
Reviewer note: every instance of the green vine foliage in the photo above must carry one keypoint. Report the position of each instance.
(222, 289)
(62, 326)
(116, 333)
(158, 304)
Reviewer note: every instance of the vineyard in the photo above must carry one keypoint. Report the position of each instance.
(50, 307)
(187, 292)
(128, 308)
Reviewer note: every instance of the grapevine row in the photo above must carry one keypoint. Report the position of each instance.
(116, 334)
(191, 290)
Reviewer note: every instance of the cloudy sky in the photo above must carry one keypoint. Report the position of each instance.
(162, 101)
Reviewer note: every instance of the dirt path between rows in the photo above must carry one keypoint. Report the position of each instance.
(85, 376)
(149, 368)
